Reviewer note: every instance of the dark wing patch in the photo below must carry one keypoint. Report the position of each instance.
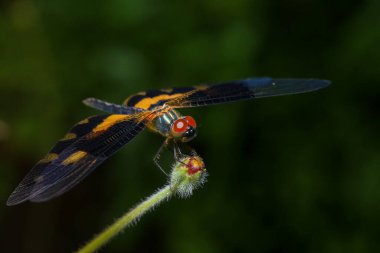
(110, 107)
(154, 98)
(245, 89)
(78, 130)
(64, 178)
(73, 160)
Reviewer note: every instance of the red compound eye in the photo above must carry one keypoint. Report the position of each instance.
(191, 121)
(180, 125)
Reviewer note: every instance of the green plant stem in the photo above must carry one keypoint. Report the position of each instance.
(186, 176)
(129, 217)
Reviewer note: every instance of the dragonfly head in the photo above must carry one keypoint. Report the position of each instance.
(184, 129)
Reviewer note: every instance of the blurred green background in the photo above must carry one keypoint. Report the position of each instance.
(288, 174)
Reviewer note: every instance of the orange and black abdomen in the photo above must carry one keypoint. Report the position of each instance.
(152, 98)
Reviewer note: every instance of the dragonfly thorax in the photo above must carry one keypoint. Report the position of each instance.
(172, 124)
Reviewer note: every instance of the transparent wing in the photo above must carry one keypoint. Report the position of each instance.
(71, 160)
(244, 89)
(110, 107)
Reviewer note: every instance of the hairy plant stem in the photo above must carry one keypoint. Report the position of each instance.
(128, 218)
(187, 175)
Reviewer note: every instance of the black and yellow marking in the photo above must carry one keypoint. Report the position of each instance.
(69, 136)
(154, 98)
(49, 158)
(84, 148)
(109, 122)
(77, 131)
(84, 121)
(113, 131)
(205, 94)
(74, 157)
(167, 90)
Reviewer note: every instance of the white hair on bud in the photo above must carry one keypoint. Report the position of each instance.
(182, 183)
(185, 190)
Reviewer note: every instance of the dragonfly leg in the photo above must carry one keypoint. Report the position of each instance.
(177, 151)
(156, 157)
(178, 154)
(193, 152)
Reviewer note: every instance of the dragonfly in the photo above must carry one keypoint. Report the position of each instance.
(94, 139)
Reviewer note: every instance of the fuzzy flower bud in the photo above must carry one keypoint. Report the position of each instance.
(188, 174)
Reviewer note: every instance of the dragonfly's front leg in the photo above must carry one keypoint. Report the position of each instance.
(156, 157)
(178, 155)
(177, 152)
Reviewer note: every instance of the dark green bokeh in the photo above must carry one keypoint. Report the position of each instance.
(289, 174)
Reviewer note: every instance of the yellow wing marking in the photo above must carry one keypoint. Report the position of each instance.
(168, 90)
(147, 102)
(85, 121)
(142, 93)
(125, 102)
(109, 121)
(69, 136)
(49, 158)
(74, 157)
(202, 87)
